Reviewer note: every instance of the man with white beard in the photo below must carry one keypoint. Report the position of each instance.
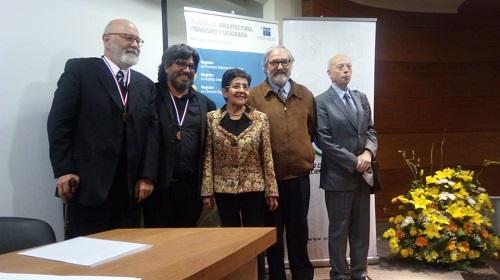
(103, 135)
(292, 118)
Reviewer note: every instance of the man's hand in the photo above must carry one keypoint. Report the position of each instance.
(208, 202)
(66, 186)
(272, 202)
(364, 161)
(143, 188)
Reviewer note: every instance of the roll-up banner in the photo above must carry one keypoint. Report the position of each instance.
(313, 41)
(225, 41)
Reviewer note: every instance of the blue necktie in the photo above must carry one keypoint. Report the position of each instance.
(121, 81)
(282, 94)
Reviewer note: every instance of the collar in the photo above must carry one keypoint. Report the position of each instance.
(114, 67)
(340, 92)
(191, 93)
(268, 88)
(248, 108)
(286, 87)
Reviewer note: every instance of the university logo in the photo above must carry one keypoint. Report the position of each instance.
(266, 31)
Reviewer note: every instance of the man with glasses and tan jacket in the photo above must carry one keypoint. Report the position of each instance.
(292, 117)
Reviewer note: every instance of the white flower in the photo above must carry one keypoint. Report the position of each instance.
(442, 181)
(407, 221)
(471, 201)
(481, 189)
(446, 196)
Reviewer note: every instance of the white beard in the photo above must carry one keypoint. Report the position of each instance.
(280, 79)
(129, 59)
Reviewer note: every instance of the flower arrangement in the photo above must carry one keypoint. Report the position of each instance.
(445, 218)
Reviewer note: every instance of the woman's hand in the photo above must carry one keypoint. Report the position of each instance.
(272, 201)
(208, 202)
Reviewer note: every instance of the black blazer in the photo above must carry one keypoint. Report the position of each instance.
(85, 128)
(168, 130)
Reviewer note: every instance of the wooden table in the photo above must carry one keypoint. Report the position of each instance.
(180, 253)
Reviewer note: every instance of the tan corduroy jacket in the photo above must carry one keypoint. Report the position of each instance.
(293, 126)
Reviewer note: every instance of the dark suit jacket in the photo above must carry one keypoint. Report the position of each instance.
(168, 130)
(85, 128)
(341, 140)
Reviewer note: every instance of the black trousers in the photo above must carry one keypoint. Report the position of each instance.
(179, 205)
(291, 217)
(244, 209)
(118, 210)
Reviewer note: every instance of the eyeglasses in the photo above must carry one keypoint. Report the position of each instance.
(238, 87)
(129, 38)
(283, 62)
(184, 64)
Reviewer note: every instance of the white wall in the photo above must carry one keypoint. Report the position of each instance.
(37, 39)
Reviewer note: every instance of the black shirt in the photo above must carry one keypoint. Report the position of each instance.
(187, 149)
(235, 127)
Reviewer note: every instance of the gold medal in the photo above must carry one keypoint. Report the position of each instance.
(124, 116)
(178, 135)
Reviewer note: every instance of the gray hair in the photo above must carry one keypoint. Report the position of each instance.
(266, 54)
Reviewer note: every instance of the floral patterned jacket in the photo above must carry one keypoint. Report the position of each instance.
(238, 164)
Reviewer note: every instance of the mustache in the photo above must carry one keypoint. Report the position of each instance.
(280, 72)
(132, 50)
(189, 75)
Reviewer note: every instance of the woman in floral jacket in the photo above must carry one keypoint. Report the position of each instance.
(238, 166)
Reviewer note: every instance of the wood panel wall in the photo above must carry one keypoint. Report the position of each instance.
(436, 77)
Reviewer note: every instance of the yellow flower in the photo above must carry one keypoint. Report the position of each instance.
(401, 198)
(431, 256)
(473, 254)
(462, 193)
(394, 245)
(457, 186)
(477, 219)
(466, 175)
(432, 230)
(446, 173)
(420, 202)
(434, 192)
(484, 200)
(413, 231)
(406, 252)
(456, 211)
(453, 256)
(463, 246)
(398, 219)
(389, 233)
(438, 218)
(430, 180)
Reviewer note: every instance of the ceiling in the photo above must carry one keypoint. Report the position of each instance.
(436, 6)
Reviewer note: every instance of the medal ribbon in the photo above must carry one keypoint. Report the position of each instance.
(180, 121)
(123, 97)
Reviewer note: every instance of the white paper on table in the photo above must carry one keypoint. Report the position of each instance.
(23, 276)
(85, 250)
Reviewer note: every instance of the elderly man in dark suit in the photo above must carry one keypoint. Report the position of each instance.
(348, 142)
(182, 114)
(103, 136)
